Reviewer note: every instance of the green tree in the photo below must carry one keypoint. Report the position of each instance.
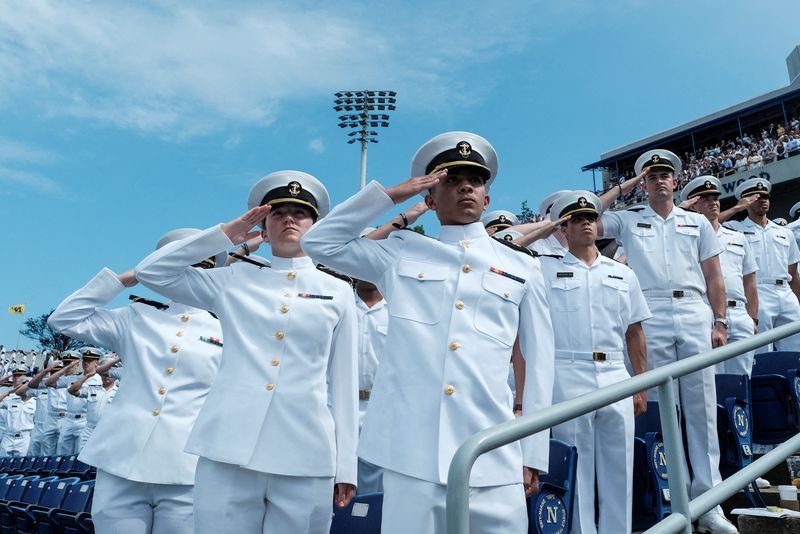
(526, 214)
(419, 229)
(36, 328)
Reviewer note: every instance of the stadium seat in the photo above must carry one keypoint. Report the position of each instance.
(74, 513)
(82, 470)
(37, 465)
(4, 463)
(651, 498)
(28, 517)
(12, 467)
(17, 492)
(361, 516)
(66, 466)
(50, 466)
(551, 508)
(6, 484)
(774, 409)
(25, 464)
(33, 494)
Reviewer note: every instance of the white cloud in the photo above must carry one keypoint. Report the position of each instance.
(182, 70)
(12, 150)
(30, 180)
(317, 145)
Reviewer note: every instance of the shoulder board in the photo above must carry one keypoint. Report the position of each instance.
(153, 303)
(729, 228)
(247, 260)
(556, 256)
(415, 232)
(515, 247)
(336, 274)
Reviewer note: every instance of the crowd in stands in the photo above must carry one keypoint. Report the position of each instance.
(746, 152)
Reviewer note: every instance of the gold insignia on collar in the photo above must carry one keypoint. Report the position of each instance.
(295, 188)
(464, 148)
(582, 202)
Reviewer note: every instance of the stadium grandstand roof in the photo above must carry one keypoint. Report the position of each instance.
(746, 107)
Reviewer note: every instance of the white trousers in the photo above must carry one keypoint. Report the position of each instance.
(70, 435)
(51, 429)
(740, 326)
(414, 505)
(778, 305)
(229, 498)
(16, 446)
(604, 439)
(85, 435)
(681, 328)
(122, 506)
(36, 447)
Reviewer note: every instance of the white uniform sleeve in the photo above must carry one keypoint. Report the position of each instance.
(64, 382)
(640, 311)
(708, 244)
(344, 398)
(612, 225)
(169, 272)
(538, 348)
(749, 264)
(334, 240)
(794, 252)
(82, 317)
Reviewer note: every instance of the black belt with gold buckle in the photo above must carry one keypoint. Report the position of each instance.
(732, 304)
(678, 293)
(599, 356)
(363, 394)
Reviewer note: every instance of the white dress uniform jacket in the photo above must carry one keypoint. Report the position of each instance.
(169, 369)
(18, 425)
(794, 226)
(456, 305)
(268, 410)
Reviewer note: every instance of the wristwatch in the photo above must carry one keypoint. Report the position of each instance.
(721, 320)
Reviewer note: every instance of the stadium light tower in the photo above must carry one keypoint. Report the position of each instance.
(363, 110)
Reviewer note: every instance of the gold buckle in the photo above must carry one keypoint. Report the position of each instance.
(779, 282)
(599, 356)
(363, 394)
(677, 294)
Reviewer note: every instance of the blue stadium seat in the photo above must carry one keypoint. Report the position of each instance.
(53, 495)
(67, 464)
(774, 409)
(13, 465)
(551, 508)
(361, 516)
(74, 513)
(82, 470)
(6, 484)
(4, 462)
(25, 464)
(50, 466)
(651, 499)
(37, 465)
(33, 494)
(781, 363)
(16, 493)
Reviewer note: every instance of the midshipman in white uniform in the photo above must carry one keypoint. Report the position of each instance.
(456, 305)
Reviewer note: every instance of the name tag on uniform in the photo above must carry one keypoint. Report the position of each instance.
(568, 274)
(643, 225)
(211, 340)
(615, 277)
(749, 233)
(779, 236)
(687, 226)
(310, 296)
(736, 244)
(501, 272)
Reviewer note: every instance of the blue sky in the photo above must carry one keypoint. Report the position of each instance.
(120, 121)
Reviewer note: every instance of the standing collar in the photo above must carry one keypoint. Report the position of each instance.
(572, 259)
(455, 233)
(285, 264)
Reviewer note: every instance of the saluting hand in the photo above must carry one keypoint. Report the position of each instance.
(414, 186)
(128, 278)
(238, 230)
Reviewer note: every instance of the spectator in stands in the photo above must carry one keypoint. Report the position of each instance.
(145, 480)
(278, 475)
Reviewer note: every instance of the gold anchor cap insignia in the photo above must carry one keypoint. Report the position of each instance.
(502, 218)
(655, 158)
(295, 188)
(582, 202)
(464, 148)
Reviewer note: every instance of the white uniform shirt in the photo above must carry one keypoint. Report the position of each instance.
(794, 226)
(19, 414)
(735, 261)
(42, 405)
(56, 404)
(455, 307)
(75, 405)
(96, 397)
(373, 326)
(774, 248)
(666, 253)
(169, 368)
(592, 306)
(287, 328)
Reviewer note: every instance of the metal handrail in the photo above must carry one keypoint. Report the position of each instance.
(683, 512)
